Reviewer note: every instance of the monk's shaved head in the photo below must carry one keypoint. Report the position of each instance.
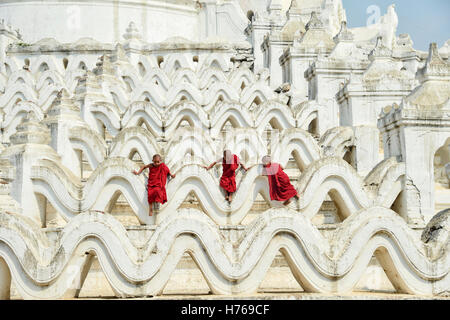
(228, 156)
(266, 159)
(156, 160)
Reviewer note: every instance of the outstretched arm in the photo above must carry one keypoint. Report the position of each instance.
(171, 175)
(142, 169)
(212, 165)
(243, 167)
(255, 165)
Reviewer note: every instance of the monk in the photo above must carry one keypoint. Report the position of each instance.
(280, 186)
(230, 163)
(157, 178)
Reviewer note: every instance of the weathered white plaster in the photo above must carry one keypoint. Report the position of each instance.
(358, 118)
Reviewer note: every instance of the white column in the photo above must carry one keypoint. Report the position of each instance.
(257, 40)
(419, 148)
(366, 149)
(210, 17)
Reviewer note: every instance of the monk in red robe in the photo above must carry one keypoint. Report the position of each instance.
(157, 178)
(280, 186)
(230, 163)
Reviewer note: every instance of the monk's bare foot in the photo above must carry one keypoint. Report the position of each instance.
(287, 202)
(230, 198)
(227, 198)
(150, 211)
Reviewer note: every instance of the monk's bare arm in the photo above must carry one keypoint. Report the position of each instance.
(171, 175)
(142, 169)
(243, 167)
(212, 165)
(263, 172)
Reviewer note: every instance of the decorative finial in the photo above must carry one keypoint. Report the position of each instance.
(435, 65)
(344, 34)
(18, 34)
(31, 131)
(132, 32)
(294, 5)
(63, 104)
(294, 10)
(433, 55)
(104, 65)
(314, 22)
(380, 50)
(119, 54)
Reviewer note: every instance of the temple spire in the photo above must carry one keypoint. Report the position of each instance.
(344, 34)
(314, 22)
(435, 65)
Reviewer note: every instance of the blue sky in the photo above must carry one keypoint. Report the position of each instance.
(426, 21)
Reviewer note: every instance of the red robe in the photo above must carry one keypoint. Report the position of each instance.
(156, 187)
(228, 179)
(280, 186)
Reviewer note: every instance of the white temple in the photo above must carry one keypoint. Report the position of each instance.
(91, 90)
